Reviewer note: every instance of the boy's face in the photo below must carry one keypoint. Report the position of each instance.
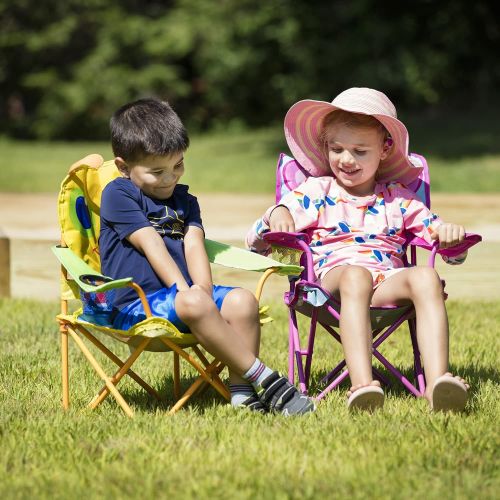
(354, 154)
(155, 176)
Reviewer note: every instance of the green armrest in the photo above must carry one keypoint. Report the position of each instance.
(80, 270)
(239, 258)
(218, 253)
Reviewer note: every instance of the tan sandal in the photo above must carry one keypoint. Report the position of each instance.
(368, 398)
(449, 394)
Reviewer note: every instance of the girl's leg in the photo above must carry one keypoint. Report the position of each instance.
(422, 286)
(354, 284)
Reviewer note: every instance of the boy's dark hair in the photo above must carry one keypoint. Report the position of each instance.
(147, 127)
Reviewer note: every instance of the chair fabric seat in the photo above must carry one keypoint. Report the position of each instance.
(153, 328)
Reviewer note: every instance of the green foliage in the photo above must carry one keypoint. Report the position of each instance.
(66, 66)
(209, 450)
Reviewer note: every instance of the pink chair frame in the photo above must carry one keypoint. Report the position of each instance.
(385, 320)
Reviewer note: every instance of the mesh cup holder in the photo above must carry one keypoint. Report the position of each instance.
(288, 256)
(97, 306)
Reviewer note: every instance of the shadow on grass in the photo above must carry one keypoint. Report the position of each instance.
(473, 374)
(203, 399)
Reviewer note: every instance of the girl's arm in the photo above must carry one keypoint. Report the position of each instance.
(420, 221)
(196, 258)
(147, 241)
(298, 210)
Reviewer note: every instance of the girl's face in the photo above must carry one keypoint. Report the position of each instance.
(354, 154)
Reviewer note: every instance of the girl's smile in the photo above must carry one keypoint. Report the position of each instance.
(354, 155)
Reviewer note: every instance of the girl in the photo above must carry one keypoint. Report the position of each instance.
(356, 210)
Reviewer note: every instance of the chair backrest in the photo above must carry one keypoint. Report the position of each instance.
(290, 174)
(79, 206)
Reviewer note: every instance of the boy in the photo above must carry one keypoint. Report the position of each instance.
(151, 229)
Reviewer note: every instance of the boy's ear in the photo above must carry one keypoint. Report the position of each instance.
(122, 167)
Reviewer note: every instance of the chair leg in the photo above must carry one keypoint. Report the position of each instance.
(406, 383)
(205, 385)
(419, 372)
(221, 388)
(177, 377)
(206, 364)
(65, 367)
(310, 345)
(118, 362)
(292, 327)
(103, 393)
(380, 377)
(333, 385)
(119, 398)
(197, 384)
(296, 354)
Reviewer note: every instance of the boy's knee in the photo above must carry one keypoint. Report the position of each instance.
(355, 280)
(193, 305)
(241, 302)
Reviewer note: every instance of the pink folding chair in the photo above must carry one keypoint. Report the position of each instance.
(308, 298)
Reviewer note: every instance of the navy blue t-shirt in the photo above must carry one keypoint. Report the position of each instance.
(125, 209)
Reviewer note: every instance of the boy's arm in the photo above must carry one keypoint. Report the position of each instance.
(196, 258)
(147, 241)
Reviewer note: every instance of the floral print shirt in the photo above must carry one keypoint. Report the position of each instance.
(369, 231)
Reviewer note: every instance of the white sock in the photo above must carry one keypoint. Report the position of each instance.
(257, 373)
(240, 393)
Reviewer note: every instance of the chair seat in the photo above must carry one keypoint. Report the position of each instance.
(381, 317)
(154, 328)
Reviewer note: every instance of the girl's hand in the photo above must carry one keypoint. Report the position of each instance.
(448, 235)
(281, 220)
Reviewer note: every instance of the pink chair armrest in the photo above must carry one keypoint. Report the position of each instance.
(470, 240)
(290, 240)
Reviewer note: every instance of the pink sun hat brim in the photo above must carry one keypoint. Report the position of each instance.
(303, 126)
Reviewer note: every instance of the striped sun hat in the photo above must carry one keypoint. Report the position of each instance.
(303, 126)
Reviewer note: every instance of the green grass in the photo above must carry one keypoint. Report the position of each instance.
(463, 153)
(209, 450)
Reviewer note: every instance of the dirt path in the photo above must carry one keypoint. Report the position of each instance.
(228, 216)
(30, 222)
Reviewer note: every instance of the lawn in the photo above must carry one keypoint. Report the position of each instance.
(456, 146)
(209, 450)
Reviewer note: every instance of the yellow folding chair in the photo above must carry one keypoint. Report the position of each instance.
(78, 253)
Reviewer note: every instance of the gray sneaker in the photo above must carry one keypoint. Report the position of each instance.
(253, 403)
(278, 395)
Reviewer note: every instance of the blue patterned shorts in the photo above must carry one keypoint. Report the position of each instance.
(162, 304)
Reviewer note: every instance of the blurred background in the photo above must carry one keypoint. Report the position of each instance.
(231, 69)
(66, 66)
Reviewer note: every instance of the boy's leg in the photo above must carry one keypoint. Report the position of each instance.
(240, 310)
(423, 287)
(195, 308)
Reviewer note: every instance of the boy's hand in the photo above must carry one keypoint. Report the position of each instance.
(206, 288)
(448, 235)
(281, 220)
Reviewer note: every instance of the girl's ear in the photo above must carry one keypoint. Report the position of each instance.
(387, 148)
(122, 167)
